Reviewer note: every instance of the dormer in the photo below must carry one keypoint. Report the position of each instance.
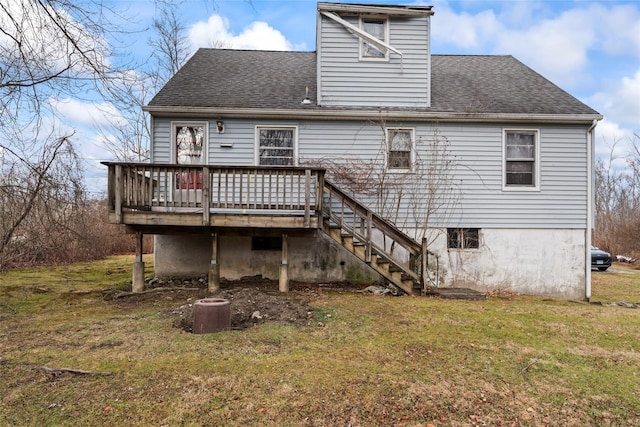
(373, 55)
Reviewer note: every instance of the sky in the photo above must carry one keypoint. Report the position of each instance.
(590, 49)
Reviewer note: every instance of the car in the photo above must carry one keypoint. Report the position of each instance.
(600, 259)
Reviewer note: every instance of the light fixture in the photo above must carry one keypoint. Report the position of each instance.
(306, 99)
(220, 126)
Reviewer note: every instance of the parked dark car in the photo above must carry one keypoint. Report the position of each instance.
(600, 259)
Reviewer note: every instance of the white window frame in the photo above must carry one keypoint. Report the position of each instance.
(385, 51)
(174, 134)
(536, 161)
(287, 127)
(412, 152)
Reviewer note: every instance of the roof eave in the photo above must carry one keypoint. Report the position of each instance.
(374, 10)
(354, 114)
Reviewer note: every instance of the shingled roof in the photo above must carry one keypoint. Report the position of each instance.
(272, 81)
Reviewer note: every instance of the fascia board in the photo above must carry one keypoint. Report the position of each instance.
(347, 114)
(372, 9)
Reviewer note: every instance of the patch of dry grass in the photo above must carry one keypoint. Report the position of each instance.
(364, 361)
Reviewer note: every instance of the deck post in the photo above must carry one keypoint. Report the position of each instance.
(214, 267)
(206, 195)
(137, 284)
(307, 197)
(423, 265)
(284, 266)
(118, 194)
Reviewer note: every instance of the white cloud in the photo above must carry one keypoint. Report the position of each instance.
(621, 101)
(619, 30)
(86, 113)
(608, 134)
(36, 35)
(559, 45)
(216, 33)
(471, 31)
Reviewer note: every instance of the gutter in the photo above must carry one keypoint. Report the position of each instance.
(315, 113)
(590, 207)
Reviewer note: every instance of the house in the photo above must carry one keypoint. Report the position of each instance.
(370, 159)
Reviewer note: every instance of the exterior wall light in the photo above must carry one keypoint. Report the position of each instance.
(220, 126)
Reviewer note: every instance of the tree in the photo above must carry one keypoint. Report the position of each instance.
(416, 201)
(617, 200)
(127, 135)
(49, 50)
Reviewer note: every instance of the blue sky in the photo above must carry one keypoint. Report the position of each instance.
(590, 49)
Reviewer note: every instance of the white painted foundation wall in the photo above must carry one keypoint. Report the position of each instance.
(527, 261)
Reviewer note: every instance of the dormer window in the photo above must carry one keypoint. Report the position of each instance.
(378, 28)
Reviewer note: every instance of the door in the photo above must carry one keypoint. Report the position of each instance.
(190, 150)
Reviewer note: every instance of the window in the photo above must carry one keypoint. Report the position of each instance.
(266, 243)
(521, 153)
(377, 27)
(463, 238)
(276, 146)
(400, 149)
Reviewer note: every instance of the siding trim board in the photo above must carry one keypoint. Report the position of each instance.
(348, 114)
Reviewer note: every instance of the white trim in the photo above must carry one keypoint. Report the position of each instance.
(190, 123)
(590, 207)
(412, 154)
(369, 8)
(536, 166)
(256, 149)
(353, 114)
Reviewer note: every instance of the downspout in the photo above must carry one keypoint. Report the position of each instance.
(590, 207)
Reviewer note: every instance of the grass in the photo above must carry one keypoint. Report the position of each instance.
(364, 360)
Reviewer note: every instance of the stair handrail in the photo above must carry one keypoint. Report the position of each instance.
(418, 251)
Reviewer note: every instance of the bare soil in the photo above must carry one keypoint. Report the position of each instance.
(253, 301)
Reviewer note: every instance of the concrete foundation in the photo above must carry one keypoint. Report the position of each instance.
(529, 261)
(314, 259)
(137, 283)
(538, 262)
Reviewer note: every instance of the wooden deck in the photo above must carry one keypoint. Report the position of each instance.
(162, 195)
(170, 199)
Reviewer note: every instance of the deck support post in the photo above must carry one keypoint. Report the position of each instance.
(214, 267)
(424, 273)
(284, 266)
(137, 284)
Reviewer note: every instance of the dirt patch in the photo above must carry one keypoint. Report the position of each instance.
(256, 301)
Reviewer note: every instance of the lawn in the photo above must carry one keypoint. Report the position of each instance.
(360, 360)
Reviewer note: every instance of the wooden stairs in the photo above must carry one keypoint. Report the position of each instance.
(375, 241)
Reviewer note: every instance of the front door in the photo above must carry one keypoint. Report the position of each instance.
(190, 149)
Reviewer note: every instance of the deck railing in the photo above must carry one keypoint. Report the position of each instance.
(224, 189)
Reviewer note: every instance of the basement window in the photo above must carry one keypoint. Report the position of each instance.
(266, 243)
(463, 238)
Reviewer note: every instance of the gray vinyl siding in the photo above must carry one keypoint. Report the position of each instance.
(478, 199)
(161, 141)
(345, 80)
